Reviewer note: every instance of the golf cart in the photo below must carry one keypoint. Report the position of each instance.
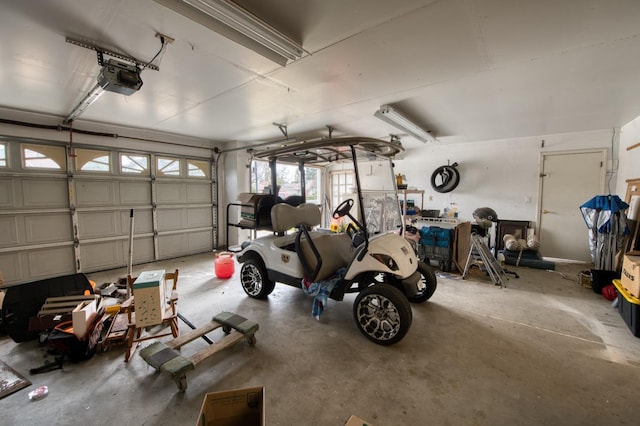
(381, 265)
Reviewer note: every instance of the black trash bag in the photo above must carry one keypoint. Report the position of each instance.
(65, 343)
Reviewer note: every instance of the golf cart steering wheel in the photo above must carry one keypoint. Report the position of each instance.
(343, 209)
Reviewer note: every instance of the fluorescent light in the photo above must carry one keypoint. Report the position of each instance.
(239, 25)
(397, 120)
(85, 103)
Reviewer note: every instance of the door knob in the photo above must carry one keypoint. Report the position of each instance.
(545, 211)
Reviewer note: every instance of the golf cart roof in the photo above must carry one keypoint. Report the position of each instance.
(323, 151)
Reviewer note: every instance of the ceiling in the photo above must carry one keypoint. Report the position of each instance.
(466, 70)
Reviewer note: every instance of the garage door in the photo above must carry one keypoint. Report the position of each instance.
(55, 222)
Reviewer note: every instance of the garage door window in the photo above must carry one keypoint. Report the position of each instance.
(43, 157)
(3, 155)
(135, 164)
(91, 160)
(198, 168)
(167, 166)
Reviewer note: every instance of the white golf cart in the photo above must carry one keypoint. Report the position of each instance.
(380, 266)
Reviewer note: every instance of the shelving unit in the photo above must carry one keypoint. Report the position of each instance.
(254, 212)
(453, 221)
(406, 192)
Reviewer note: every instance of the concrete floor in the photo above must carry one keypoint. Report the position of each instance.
(542, 351)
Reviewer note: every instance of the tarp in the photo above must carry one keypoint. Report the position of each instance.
(607, 223)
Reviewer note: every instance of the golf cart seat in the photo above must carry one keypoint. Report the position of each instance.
(285, 216)
(321, 253)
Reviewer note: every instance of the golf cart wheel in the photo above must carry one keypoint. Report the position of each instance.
(428, 284)
(254, 279)
(383, 314)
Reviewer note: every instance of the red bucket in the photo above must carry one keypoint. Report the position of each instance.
(224, 264)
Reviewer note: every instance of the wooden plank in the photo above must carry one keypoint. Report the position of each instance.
(462, 245)
(118, 329)
(54, 311)
(185, 338)
(218, 346)
(72, 304)
(64, 298)
(61, 305)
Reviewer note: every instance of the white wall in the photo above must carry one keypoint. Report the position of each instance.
(501, 174)
(233, 179)
(629, 166)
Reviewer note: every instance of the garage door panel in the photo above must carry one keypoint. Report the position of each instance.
(98, 224)
(171, 219)
(172, 245)
(7, 193)
(134, 193)
(171, 193)
(10, 265)
(45, 193)
(199, 241)
(142, 221)
(143, 250)
(94, 193)
(51, 262)
(9, 231)
(53, 227)
(198, 193)
(103, 255)
(198, 217)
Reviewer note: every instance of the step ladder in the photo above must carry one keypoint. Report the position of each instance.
(480, 255)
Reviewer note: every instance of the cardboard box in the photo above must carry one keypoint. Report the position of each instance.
(150, 298)
(256, 208)
(357, 421)
(234, 407)
(630, 277)
(82, 318)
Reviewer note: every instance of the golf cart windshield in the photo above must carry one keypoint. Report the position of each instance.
(369, 180)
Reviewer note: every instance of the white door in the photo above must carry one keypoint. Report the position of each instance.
(567, 181)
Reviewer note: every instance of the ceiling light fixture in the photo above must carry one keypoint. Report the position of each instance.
(85, 103)
(397, 120)
(239, 25)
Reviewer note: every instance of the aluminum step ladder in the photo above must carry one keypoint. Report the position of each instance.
(480, 255)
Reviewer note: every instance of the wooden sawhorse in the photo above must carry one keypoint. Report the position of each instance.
(165, 357)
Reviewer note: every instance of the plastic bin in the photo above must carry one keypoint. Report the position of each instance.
(629, 308)
(442, 255)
